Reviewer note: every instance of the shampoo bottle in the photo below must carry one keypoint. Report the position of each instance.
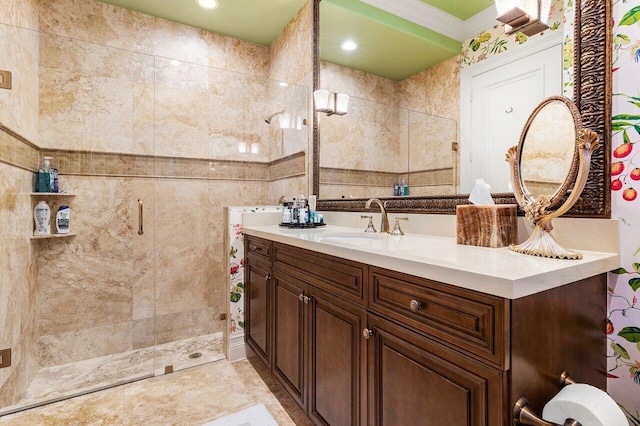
(62, 220)
(42, 218)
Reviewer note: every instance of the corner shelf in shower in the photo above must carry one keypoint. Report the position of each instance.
(52, 196)
(44, 237)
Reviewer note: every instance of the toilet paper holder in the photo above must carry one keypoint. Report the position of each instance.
(524, 415)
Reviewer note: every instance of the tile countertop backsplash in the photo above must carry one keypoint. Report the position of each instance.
(434, 254)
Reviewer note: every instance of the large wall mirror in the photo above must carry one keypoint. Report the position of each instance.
(394, 132)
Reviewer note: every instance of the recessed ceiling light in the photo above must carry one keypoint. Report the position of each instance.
(349, 45)
(284, 84)
(175, 62)
(208, 4)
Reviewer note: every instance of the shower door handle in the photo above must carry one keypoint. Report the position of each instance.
(140, 217)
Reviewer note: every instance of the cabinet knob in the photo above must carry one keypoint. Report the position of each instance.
(366, 333)
(254, 248)
(415, 306)
(268, 277)
(304, 299)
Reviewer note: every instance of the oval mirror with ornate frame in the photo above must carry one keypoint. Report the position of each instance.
(552, 159)
(592, 95)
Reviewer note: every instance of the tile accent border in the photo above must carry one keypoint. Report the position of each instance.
(17, 151)
(293, 165)
(434, 177)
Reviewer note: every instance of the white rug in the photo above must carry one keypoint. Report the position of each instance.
(258, 415)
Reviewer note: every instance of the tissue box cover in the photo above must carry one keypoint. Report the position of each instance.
(487, 226)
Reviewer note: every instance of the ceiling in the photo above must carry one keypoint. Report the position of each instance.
(462, 9)
(389, 46)
(258, 21)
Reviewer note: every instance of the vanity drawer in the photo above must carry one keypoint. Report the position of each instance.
(466, 319)
(258, 248)
(341, 277)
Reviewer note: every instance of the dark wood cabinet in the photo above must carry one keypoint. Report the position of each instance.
(413, 381)
(337, 361)
(290, 348)
(258, 308)
(361, 345)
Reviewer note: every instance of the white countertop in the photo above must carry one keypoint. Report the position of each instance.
(500, 272)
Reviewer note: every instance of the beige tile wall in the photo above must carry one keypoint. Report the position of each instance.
(18, 303)
(134, 107)
(19, 105)
(19, 111)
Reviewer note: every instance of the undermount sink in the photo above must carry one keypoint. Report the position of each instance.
(354, 238)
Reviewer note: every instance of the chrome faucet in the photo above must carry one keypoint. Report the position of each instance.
(384, 225)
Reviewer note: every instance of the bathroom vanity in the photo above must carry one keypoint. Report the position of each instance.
(373, 329)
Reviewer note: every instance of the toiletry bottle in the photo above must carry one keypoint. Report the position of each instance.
(62, 219)
(42, 218)
(294, 211)
(303, 217)
(396, 189)
(313, 200)
(286, 214)
(404, 188)
(46, 176)
(53, 180)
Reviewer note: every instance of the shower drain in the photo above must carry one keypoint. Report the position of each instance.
(195, 355)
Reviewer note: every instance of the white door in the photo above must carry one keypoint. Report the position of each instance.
(501, 101)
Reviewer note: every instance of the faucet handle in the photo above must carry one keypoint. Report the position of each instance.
(370, 227)
(396, 228)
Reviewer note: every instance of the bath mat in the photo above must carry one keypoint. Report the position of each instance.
(258, 415)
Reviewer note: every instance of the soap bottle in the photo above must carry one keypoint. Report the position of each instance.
(44, 178)
(404, 188)
(62, 219)
(42, 218)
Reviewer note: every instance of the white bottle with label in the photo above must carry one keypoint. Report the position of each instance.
(42, 218)
(62, 220)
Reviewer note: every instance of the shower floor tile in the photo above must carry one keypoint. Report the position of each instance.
(62, 381)
(192, 396)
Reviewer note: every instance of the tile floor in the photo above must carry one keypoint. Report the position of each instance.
(60, 381)
(189, 397)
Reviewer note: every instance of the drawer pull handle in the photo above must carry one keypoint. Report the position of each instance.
(366, 333)
(415, 306)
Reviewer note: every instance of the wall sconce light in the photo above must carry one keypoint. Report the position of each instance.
(330, 103)
(527, 16)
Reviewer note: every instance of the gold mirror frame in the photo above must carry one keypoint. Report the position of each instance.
(592, 95)
(538, 209)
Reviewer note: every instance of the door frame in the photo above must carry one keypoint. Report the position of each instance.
(466, 83)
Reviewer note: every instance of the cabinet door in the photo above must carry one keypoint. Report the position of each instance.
(289, 337)
(415, 381)
(258, 309)
(337, 374)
